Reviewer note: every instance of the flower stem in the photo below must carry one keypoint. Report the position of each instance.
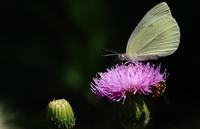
(134, 113)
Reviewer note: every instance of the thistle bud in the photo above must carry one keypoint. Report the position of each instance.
(60, 114)
(134, 114)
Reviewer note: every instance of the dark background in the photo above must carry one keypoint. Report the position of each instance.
(53, 49)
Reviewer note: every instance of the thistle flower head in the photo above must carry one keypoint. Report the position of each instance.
(125, 79)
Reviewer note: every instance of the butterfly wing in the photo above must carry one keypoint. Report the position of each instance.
(156, 35)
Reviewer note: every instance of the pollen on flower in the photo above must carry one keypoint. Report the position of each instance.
(125, 79)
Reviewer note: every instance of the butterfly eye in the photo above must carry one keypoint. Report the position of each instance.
(122, 57)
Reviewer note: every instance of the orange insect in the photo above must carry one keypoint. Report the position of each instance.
(158, 89)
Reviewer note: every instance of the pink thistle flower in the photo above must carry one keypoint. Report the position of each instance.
(122, 80)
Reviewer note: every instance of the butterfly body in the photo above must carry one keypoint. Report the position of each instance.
(156, 35)
(125, 57)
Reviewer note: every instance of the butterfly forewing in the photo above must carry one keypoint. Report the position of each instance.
(156, 35)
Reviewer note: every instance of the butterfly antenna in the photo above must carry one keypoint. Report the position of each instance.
(114, 52)
(111, 53)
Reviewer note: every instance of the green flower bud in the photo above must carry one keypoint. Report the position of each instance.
(134, 113)
(60, 114)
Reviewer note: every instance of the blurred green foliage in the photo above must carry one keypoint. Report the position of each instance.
(84, 41)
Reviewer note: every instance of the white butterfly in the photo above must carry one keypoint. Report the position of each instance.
(156, 35)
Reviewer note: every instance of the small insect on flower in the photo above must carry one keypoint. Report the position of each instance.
(127, 79)
(158, 89)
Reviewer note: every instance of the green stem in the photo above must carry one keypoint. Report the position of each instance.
(134, 113)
